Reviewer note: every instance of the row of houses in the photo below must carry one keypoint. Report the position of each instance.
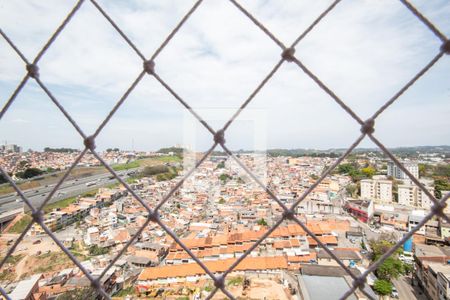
(59, 218)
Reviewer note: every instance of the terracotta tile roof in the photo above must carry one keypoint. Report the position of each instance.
(326, 239)
(321, 228)
(209, 252)
(183, 270)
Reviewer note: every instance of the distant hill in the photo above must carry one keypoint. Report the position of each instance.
(400, 151)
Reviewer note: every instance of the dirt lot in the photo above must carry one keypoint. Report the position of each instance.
(259, 289)
(31, 257)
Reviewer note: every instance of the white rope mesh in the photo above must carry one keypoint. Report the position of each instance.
(287, 56)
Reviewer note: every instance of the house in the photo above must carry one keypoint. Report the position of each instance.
(140, 261)
(28, 289)
(92, 236)
(162, 275)
(348, 257)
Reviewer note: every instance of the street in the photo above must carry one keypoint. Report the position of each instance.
(406, 290)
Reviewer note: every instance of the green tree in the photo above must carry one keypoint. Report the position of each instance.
(29, 173)
(153, 170)
(352, 189)
(221, 201)
(346, 168)
(442, 170)
(440, 185)
(2, 179)
(95, 250)
(368, 171)
(390, 269)
(224, 177)
(382, 287)
(380, 246)
(422, 170)
(262, 222)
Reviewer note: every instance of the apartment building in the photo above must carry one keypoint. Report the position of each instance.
(396, 172)
(414, 218)
(411, 195)
(432, 271)
(10, 148)
(378, 189)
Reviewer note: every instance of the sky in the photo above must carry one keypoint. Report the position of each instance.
(364, 51)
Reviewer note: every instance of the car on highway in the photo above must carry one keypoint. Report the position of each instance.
(19, 200)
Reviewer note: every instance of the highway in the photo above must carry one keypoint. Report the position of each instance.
(69, 188)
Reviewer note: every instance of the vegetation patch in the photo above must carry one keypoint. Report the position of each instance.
(20, 225)
(236, 281)
(66, 202)
(131, 165)
(125, 292)
(95, 250)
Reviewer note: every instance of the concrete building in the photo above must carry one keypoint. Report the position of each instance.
(11, 148)
(377, 189)
(348, 257)
(414, 219)
(361, 209)
(317, 282)
(28, 289)
(396, 172)
(432, 271)
(411, 195)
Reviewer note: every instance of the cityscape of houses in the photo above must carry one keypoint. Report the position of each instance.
(218, 213)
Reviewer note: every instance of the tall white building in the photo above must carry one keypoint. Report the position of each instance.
(11, 148)
(396, 172)
(377, 188)
(411, 195)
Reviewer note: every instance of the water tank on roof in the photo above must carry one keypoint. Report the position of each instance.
(407, 246)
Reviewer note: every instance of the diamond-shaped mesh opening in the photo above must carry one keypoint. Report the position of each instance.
(288, 213)
(84, 87)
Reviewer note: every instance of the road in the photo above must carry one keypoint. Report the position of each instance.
(406, 290)
(69, 188)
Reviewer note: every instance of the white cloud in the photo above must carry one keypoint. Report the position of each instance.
(363, 50)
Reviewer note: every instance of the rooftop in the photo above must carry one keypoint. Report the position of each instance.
(249, 263)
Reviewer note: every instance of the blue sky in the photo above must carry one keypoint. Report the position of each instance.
(363, 50)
